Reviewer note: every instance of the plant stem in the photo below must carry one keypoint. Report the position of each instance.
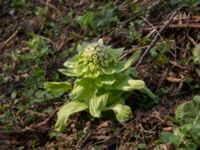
(147, 91)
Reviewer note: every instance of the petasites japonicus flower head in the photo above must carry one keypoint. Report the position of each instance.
(96, 59)
(96, 54)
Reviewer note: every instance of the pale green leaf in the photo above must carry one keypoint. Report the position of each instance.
(170, 138)
(69, 72)
(92, 75)
(122, 66)
(71, 63)
(85, 20)
(114, 97)
(196, 100)
(97, 104)
(127, 63)
(177, 132)
(180, 112)
(142, 146)
(105, 80)
(127, 84)
(189, 112)
(100, 41)
(58, 87)
(196, 54)
(83, 89)
(116, 53)
(123, 112)
(81, 46)
(67, 110)
(103, 19)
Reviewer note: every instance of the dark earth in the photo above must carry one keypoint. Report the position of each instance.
(28, 112)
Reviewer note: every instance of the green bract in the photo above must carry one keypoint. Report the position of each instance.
(101, 80)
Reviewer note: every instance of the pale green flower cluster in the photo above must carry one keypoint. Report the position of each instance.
(94, 57)
(96, 54)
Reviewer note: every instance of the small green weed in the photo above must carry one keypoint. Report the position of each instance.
(27, 65)
(98, 21)
(18, 3)
(162, 48)
(186, 135)
(196, 54)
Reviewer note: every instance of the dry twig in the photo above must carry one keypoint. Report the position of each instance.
(32, 128)
(156, 37)
(10, 38)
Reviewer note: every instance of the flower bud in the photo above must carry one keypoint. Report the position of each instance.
(95, 57)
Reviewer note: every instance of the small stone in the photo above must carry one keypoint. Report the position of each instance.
(12, 12)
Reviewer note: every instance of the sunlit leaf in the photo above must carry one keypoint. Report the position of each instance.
(59, 87)
(196, 54)
(97, 104)
(83, 89)
(128, 84)
(189, 111)
(67, 110)
(123, 112)
(71, 63)
(122, 66)
(116, 53)
(105, 80)
(69, 72)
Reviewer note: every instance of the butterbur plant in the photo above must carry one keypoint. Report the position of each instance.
(101, 81)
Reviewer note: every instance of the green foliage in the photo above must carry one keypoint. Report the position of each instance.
(59, 87)
(66, 110)
(189, 3)
(142, 146)
(186, 135)
(38, 48)
(133, 34)
(29, 78)
(162, 48)
(40, 11)
(85, 21)
(101, 82)
(190, 81)
(170, 138)
(98, 21)
(196, 54)
(53, 28)
(135, 7)
(105, 18)
(18, 3)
